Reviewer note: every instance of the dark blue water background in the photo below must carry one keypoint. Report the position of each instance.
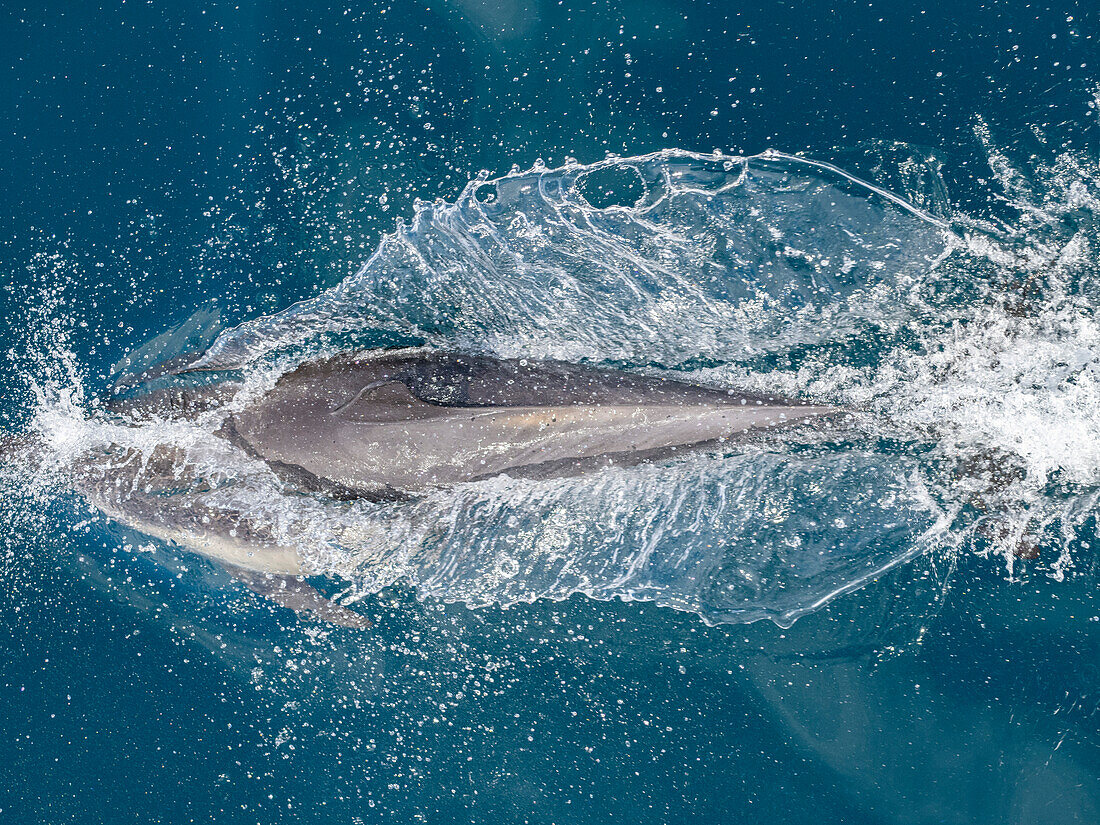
(160, 158)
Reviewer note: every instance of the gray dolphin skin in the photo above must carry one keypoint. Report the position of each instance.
(400, 423)
(391, 424)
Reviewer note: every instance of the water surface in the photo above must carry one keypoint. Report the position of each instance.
(572, 651)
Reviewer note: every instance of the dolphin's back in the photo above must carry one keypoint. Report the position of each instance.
(459, 380)
(409, 420)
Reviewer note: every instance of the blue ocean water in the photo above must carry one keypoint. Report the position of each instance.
(889, 209)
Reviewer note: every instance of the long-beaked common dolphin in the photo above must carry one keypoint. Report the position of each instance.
(393, 424)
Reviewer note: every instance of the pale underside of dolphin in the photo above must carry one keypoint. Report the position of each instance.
(394, 424)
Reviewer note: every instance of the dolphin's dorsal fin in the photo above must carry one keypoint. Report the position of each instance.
(385, 401)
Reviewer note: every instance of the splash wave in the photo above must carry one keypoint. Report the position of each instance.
(971, 354)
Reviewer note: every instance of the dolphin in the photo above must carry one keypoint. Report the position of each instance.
(393, 424)
(386, 425)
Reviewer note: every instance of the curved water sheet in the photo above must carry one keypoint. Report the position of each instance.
(671, 259)
(729, 537)
(690, 257)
